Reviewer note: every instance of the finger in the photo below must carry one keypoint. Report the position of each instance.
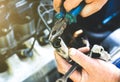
(92, 7)
(89, 1)
(64, 66)
(84, 49)
(70, 4)
(56, 5)
(83, 60)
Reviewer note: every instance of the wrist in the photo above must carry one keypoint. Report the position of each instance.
(118, 76)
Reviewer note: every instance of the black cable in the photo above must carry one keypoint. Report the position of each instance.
(32, 46)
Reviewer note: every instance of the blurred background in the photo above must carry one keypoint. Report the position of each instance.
(25, 53)
(25, 25)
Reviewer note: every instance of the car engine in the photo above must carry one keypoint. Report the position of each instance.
(25, 52)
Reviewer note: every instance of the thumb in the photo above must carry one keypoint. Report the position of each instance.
(82, 59)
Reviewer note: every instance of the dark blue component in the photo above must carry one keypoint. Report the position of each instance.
(73, 12)
(77, 10)
(117, 62)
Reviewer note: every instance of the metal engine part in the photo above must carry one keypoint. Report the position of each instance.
(45, 21)
(41, 67)
(19, 30)
(17, 25)
(22, 18)
(7, 39)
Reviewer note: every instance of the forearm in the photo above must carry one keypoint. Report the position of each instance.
(119, 77)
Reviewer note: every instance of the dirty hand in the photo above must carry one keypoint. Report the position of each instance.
(94, 70)
(92, 6)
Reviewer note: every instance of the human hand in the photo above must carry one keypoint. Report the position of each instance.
(94, 70)
(92, 6)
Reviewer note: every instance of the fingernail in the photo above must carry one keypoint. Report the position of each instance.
(72, 51)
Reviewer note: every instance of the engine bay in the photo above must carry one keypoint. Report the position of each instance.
(26, 54)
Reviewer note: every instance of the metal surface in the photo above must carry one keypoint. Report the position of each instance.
(58, 29)
(25, 30)
(97, 49)
(37, 66)
(7, 41)
(46, 19)
(20, 69)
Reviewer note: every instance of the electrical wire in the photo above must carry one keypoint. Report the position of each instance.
(41, 15)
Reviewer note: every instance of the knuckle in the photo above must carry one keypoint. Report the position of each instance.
(67, 6)
(89, 1)
(100, 4)
(97, 8)
(70, 4)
